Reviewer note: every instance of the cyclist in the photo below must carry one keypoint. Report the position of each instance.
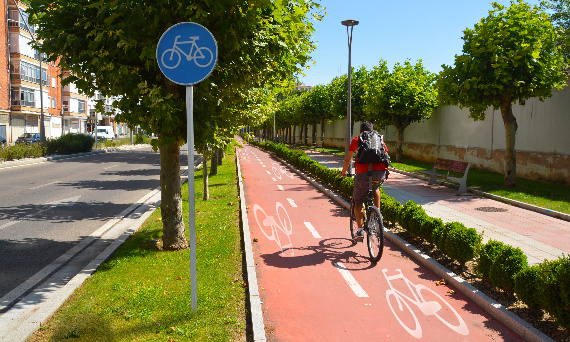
(361, 185)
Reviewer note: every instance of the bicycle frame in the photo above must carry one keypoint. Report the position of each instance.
(192, 41)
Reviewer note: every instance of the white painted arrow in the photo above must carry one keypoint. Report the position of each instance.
(61, 203)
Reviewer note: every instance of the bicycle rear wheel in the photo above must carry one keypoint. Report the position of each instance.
(375, 230)
(353, 226)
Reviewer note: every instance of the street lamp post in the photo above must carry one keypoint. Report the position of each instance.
(350, 23)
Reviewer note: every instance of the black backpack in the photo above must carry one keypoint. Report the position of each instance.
(371, 149)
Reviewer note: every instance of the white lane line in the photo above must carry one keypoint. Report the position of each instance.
(41, 186)
(275, 180)
(110, 167)
(264, 165)
(268, 172)
(280, 187)
(312, 230)
(292, 202)
(354, 286)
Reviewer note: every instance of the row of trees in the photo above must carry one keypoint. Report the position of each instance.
(110, 46)
(513, 54)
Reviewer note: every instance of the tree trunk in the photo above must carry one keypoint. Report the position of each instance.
(173, 228)
(306, 134)
(322, 132)
(314, 133)
(214, 163)
(511, 126)
(205, 177)
(221, 153)
(399, 143)
(294, 133)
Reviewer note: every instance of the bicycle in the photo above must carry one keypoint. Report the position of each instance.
(373, 225)
(202, 56)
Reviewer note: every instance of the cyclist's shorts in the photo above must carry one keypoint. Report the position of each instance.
(361, 184)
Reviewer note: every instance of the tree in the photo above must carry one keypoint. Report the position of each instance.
(407, 94)
(561, 20)
(110, 46)
(510, 55)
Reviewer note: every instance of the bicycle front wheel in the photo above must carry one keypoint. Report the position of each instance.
(353, 225)
(375, 232)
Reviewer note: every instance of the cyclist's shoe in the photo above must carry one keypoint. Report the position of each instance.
(359, 235)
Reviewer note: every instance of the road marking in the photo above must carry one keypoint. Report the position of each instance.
(312, 230)
(275, 180)
(41, 186)
(354, 286)
(280, 187)
(110, 167)
(264, 165)
(268, 172)
(292, 202)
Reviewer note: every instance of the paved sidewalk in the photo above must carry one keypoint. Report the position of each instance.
(540, 236)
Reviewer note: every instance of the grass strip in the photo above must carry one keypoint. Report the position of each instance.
(545, 195)
(143, 294)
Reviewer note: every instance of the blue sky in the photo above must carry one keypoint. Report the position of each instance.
(394, 31)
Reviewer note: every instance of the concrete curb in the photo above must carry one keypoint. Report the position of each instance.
(544, 211)
(495, 309)
(256, 312)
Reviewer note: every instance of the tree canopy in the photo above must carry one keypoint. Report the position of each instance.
(405, 95)
(110, 46)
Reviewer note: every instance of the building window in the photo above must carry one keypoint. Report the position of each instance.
(81, 106)
(53, 102)
(31, 73)
(27, 97)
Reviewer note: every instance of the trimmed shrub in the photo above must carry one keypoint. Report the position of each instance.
(510, 262)
(440, 235)
(416, 222)
(489, 253)
(529, 286)
(556, 287)
(429, 226)
(406, 214)
(390, 210)
(462, 243)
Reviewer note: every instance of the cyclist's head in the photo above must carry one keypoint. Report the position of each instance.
(366, 126)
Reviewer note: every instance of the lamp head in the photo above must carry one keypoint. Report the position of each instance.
(349, 22)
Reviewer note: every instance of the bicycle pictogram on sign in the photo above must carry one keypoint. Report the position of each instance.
(187, 53)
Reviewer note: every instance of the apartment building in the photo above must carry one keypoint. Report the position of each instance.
(31, 88)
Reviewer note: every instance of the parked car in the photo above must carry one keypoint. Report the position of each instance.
(105, 132)
(28, 138)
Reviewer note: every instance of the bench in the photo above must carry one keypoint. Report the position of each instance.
(450, 166)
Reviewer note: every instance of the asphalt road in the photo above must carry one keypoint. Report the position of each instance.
(48, 208)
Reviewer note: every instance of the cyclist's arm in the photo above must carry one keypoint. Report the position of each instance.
(346, 163)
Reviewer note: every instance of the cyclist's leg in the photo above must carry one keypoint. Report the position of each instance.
(359, 215)
(359, 195)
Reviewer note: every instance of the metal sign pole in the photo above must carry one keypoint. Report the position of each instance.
(191, 195)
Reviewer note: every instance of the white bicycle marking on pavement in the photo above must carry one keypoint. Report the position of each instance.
(427, 307)
(278, 228)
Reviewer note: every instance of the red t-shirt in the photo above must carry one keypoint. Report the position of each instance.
(360, 168)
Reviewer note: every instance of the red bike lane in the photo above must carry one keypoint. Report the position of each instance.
(315, 284)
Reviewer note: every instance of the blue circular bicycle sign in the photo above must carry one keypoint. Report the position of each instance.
(187, 53)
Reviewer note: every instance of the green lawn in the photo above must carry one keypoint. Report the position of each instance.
(546, 195)
(142, 294)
